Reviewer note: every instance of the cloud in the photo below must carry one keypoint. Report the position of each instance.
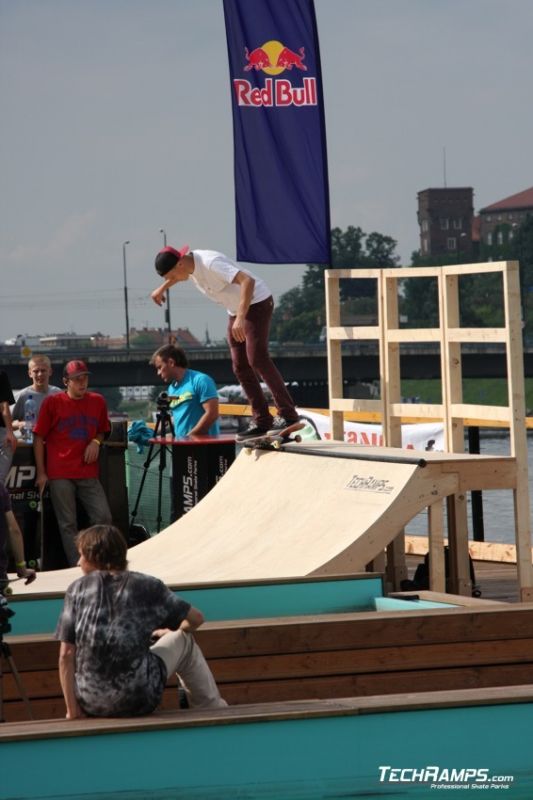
(70, 233)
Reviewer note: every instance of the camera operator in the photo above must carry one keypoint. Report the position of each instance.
(192, 395)
(9, 529)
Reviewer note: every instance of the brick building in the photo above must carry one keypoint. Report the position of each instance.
(497, 222)
(445, 217)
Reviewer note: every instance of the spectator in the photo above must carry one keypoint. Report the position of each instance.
(107, 667)
(10, 530)
(8, 442)
(40, 371)
(67, 438)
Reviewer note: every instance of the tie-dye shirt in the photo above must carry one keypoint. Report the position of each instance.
(110, 618)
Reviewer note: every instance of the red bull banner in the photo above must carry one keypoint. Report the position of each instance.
(281, 181)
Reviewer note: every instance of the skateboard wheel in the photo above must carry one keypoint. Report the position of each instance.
(276, 445)
(248, 451)
(297, 438)
(8, 590)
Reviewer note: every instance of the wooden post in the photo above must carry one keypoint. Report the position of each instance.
(516, 401)
(333, 319)
(437, 572)
(391, 391)
(452, 380)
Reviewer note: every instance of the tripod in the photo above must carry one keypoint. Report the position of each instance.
(163, 426)
(5, 652)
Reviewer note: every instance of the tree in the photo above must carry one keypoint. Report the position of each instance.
(479, 295)
(300, 314)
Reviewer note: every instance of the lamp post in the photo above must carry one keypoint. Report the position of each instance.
(167, 309)
(126, 296)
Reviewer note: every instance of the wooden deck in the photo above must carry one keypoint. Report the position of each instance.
(497, 581)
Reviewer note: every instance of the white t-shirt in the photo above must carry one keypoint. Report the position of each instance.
(213, 275)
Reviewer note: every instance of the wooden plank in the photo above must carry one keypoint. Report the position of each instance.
(371, 684)
(474, 269)
(410, 335)
(265, 712)
(347, 404)
(354, 332)
(326, 687)
(372, 272)
(302, 666)
(433, 411)
(462, 410)
(335, 632)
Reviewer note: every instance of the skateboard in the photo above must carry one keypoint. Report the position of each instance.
(274, 441)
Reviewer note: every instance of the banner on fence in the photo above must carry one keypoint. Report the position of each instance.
(420, 436)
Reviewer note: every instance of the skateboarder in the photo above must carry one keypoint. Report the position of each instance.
(249, 303)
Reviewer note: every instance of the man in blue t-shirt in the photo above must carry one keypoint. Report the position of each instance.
(193, 395)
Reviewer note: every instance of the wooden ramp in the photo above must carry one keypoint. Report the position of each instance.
(315, 508)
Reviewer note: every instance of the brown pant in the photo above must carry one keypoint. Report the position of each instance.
(251, 358)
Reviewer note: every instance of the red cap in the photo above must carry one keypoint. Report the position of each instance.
(178, 253)
(75, 368)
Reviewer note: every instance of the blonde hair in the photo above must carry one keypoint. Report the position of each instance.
(39, 359)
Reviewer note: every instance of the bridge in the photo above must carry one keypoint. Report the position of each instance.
(305, 364)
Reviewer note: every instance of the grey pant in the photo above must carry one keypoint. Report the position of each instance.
(181, 654)
(63, 493)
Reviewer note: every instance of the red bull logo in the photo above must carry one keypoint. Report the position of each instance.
(273, 58)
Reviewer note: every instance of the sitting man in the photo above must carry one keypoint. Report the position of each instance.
(40, 371)
(193, 395)
(107, 664)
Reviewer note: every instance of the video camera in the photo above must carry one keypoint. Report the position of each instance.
(5, 614)
(163, 401)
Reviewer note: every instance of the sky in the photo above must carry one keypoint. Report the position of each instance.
(116, 122)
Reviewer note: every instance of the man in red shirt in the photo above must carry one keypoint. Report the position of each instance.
(67, 438)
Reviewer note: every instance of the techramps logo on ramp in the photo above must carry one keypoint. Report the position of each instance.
(367, 483)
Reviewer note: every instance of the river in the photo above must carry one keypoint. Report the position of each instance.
(498, 510)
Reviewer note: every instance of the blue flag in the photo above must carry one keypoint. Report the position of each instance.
(281, 181)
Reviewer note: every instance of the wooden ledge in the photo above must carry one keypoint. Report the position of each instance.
(268, 712)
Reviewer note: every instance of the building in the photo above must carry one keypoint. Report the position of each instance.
(156, 337)
(72, 341)
(498, 222)
(445, 217)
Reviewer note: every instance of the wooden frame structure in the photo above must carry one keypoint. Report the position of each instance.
(389, 336)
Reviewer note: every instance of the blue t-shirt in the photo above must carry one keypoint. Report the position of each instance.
(186, 399)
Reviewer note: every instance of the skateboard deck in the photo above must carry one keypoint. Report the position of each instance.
(274, 441)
